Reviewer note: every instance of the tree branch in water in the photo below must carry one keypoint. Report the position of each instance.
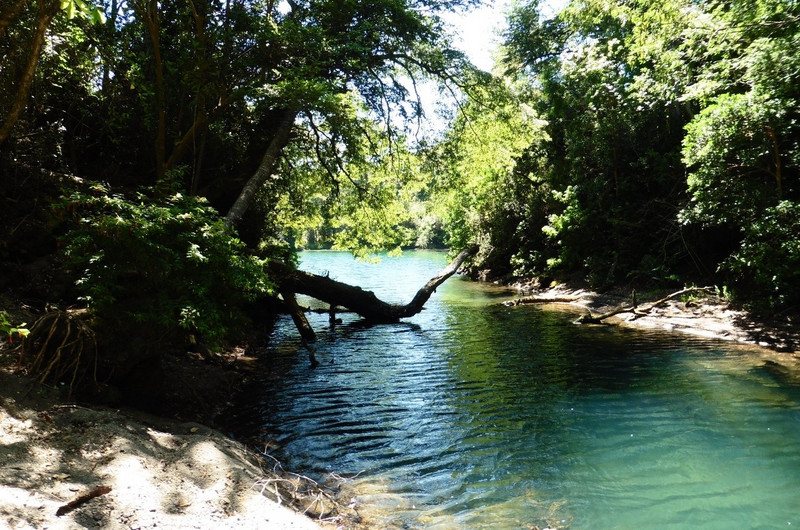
(365, 303)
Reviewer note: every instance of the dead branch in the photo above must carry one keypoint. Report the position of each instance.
(588, 318)
(82, 499)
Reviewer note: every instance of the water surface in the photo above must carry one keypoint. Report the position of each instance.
(475, 415)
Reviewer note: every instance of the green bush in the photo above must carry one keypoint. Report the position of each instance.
(766, 268)
(169, 263)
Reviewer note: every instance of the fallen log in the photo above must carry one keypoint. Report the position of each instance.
(298, 316)
(637, 311)
(365, 303)
(535, 299)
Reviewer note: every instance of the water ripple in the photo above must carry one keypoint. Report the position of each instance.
(470, 416)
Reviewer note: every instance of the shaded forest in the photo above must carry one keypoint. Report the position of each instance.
(162, 163)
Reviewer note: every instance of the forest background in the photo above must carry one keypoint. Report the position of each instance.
(162, 162)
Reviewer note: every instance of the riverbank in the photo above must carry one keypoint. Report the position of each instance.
(65, 466)
(706, 315)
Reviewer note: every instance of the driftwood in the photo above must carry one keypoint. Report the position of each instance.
(357, 300)
(535, 299)
(637, 311)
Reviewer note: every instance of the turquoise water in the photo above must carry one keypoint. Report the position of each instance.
(475, 415)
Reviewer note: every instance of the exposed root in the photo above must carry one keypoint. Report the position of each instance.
(61, 348)
(305, 494)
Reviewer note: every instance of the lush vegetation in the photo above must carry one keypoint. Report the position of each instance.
(160, 264)
(176, 153)
(668, 152)
(178, 150)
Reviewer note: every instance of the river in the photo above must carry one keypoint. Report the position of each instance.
(476, 415)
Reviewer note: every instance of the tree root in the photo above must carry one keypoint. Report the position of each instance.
(61, 348)
(305, 494)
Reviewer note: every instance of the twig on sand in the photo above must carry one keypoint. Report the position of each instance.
(82, 499)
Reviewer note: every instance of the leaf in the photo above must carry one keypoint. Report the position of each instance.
(98, 16)
(71, 8)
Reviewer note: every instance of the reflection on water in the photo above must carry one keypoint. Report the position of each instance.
(473, 415)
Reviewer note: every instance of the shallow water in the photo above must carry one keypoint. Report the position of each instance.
(475, 415)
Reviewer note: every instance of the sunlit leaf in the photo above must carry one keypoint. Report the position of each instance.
(98, 15)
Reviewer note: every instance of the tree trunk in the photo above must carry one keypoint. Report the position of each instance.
(365, 303)
(47, 10)
(148, 11)
(776, 158)
(265, 169)
(299, 318)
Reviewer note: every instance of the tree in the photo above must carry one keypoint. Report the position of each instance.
(608, 173)
(45, 11)
(226, 101)
(742, 152)
(637, 97)
(474, 190)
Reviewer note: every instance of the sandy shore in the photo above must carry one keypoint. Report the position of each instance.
(776, 339)
(147, 472)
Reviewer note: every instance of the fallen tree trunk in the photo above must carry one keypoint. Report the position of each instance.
(588, 318)
(365, 303)
(535, 299)
(298, 317)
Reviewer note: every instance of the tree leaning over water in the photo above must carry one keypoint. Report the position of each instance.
(184, 108)
(193, 142)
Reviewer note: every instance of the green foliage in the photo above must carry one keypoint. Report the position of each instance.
(474, 188)
(766, 268)
(79, 8)
(732, 146)
(169, 264)
(637, 97)
(11, 331)
(606, 176)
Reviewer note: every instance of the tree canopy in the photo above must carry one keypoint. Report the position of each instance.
(669, 147)
(205, 140)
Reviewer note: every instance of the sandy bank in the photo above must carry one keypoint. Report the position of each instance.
(161, 473)
(708, 316)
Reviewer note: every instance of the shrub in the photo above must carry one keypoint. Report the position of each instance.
(766, 268)
(169, 263)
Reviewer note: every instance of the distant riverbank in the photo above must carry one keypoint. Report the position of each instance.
(708, 315)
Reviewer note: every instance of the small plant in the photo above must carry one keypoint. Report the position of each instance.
(723, 292)
(7, 329)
